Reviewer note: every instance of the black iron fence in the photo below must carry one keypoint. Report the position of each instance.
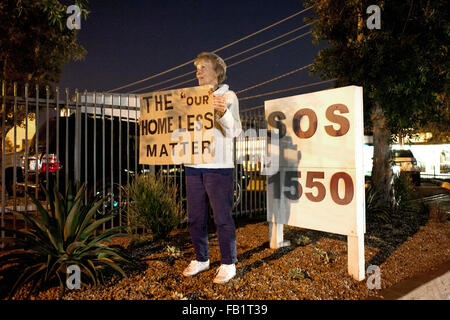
(52, 137)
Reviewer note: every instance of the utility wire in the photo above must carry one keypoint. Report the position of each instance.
(264, 29)
(270, 49)
(243, 60)
(284, 90)
(163, 82)
(274, 79)
(228, 58)
(216, 50)
(271, 40)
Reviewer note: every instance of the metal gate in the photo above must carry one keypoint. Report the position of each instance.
(93, 138)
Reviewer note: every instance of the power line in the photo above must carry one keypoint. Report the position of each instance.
(270, 49)
(177, 84)
(288, 89)
(264, 29)
(217, 50)
(165, 81)
(274, 79)
(271, 40)
(151, 77)
(245, 59)
(228, 58)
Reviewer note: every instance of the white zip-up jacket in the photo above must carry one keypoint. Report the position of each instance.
(227, 127)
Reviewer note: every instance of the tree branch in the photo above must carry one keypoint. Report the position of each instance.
(407, 18)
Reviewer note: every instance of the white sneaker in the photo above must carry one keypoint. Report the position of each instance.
(225, 273)
(195, 267)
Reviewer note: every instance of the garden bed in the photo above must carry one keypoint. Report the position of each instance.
(314, 266)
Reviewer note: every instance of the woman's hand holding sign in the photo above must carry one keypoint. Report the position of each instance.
(220, 104)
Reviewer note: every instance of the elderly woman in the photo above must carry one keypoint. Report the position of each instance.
(214, 180)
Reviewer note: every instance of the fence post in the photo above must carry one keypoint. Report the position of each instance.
(77, 153)
(3, 160)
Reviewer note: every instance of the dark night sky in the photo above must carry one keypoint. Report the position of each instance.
(128, 40)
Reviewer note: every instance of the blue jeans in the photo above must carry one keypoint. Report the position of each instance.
(217, 185)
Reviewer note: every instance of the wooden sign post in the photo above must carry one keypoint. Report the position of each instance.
(176, 126)
(320, 181)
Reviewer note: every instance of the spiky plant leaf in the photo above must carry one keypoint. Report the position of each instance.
(61, 236)
(89, 216)
(43, 212)
(87, 232)
(71, 223)
(58, 206)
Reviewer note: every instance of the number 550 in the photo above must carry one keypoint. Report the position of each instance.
(294, 189)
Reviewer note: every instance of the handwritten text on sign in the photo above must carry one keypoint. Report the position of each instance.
(177, 126)
(320, 183)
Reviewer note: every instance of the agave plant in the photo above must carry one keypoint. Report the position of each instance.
(58, 237)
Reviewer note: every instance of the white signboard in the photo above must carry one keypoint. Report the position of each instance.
(320, 181)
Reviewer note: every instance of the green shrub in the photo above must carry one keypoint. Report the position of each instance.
(403, 193)
(61, 236)
(173, 251)
(298, 273)
(153, 205)
(403, 189)
(303, 240)
(376, 208)
(326, 257)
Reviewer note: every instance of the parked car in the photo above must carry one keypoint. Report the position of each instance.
(405, 161)
(95, 154)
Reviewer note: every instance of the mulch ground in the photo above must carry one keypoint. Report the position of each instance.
(313, 267)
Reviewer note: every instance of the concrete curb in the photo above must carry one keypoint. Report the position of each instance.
(436, 289)
(431, 285)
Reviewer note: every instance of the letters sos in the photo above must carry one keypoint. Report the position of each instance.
(275, 121)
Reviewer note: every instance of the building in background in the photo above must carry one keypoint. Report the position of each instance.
(433, 159)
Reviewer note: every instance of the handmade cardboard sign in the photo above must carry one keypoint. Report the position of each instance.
(176, 126)
(320, 181)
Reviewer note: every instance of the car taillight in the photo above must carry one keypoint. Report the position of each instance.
(53, 163)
